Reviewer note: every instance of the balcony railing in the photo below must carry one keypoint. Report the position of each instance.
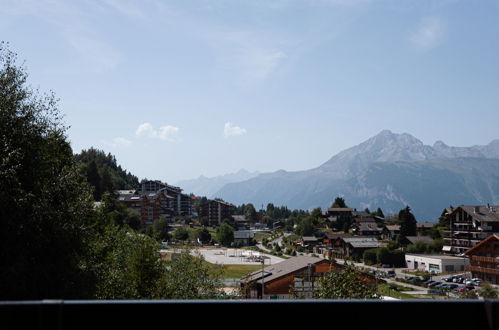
(484, 270)
(485, 259)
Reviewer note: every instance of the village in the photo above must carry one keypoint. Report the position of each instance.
(281, 256)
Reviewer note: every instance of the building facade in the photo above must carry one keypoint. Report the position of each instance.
(436, 263)
(484, 260)
(215, 211)
(468, 226)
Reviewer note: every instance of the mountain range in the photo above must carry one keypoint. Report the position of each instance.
(389, 171)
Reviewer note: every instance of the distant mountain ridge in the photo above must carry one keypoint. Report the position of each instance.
(204, 186)
(389, 171)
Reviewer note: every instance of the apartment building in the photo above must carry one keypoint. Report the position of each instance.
(468, 226)
(484, 260)
(215, 211)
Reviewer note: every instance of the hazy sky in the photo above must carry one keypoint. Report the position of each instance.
(176, 89)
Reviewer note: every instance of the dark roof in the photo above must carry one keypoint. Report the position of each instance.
(337, 235)
(368, 226)
(491, 237)
(425, 224)
(244, 234)
(340, 209)
(487, 213)
(239, 218)
(309, 239)
(363, 242)
(393, 227)
(414, 239)
(282, 269)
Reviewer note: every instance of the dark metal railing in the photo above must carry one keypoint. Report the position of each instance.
(304, 314)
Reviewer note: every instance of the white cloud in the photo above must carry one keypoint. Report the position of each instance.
(165, 133)
(232, 130)
(121, 142)
(118, 143)
(429, 34)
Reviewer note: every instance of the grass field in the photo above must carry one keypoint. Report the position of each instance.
(384, 290)
(238, 271)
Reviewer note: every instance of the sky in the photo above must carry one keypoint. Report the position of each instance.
(179, 89)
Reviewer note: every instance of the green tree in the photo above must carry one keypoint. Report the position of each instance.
(46, 213)
(407, 222)
(181, 234)
(339, 202)
(160, 229)
(203, 235)
(225, 234)
(345, 284)
(127, 264)
(379, 213)
(306, 227)
(190, 277)
(488, 291)
(250, 212)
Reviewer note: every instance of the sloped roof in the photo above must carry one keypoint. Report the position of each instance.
(281, 269)
(414, 239)
(491, 237)
(363, 242)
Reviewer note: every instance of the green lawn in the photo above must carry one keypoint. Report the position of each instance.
(238, 271)
(384, 290)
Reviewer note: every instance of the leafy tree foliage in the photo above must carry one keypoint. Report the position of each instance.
(339, 202)
(306, 227)
(345, 284)
(46, 211)
(407, 222)
(103, 172)
(181, 234)
(203, 235)
(488, 291)
(190, 277)
(225, 234)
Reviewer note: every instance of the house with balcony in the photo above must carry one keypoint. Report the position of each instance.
(468, 226)
(484, 260)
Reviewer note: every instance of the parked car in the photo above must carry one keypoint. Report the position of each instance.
(391, 273)
(453, 286)
(386, 266)
(434, 284)
(447, 279)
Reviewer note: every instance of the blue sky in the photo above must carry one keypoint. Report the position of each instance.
(176, 89)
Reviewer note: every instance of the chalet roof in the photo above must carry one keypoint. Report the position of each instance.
(486, 213)
(368, 226)
(310, 239)
(414, 239)
(393, 227)
(340, 209)
(363, 242)
(282, 269)
(485, 241)
(244, 234)
(239, 218)
(337, 235)
(425, 224)
(365, 219)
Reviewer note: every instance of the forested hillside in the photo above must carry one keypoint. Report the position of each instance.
(103, 172)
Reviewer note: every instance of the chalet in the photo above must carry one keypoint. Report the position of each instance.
(390, 232)
(484, 259)
(244, 237)
(367, 228)
(297, 274)
(355, 246)
(468, 226)
(241, 221)
(423, 228)
(310, 242)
